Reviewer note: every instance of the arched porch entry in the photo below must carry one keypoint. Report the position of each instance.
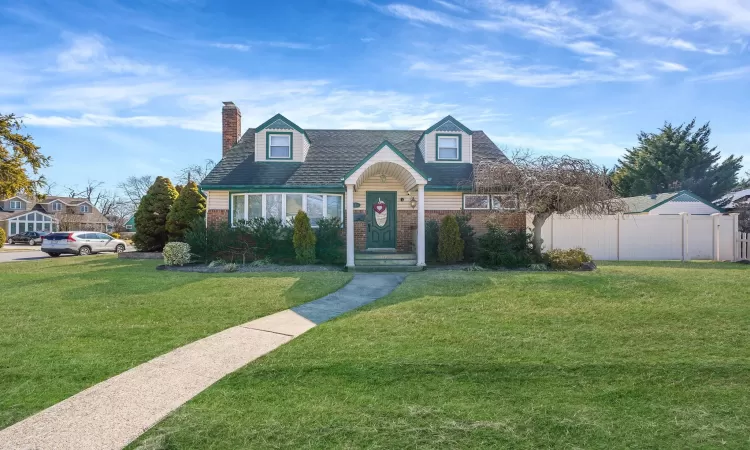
(382, 201)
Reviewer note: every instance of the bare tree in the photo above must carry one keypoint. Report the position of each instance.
(194, 172)
(545, 185)
(134, 188)
(106, 201)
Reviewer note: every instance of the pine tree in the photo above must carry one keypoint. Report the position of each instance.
(189, 206)
(151, 216)
(20, 159)
(450, 245)
(674, 159)
(303, 239)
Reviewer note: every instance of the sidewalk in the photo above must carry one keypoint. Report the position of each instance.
(113, 413)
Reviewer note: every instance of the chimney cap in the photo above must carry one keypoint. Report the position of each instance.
(229, 104)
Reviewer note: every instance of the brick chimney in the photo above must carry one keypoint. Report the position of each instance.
(231, 126)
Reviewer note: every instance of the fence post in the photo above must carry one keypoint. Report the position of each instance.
(619, 216)
(715, 228)
(735, 235)
(685, 241)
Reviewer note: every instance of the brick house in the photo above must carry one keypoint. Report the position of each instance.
(383, 184)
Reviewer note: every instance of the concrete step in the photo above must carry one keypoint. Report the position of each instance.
(386, 269)
(371, 256)
(385, 262)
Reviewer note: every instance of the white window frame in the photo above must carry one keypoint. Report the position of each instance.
(245, 199)
(489, 202)
(15, 204)
(501, 196)
(288, 146)
(458, 148)
(84, 208)
(57, 206)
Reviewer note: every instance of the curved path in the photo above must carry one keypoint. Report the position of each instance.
(113, 413)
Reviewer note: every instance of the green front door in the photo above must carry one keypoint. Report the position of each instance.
(381, 219)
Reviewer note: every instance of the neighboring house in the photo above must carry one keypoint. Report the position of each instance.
(130, 224)
(21, 213)
(738, 200)
(669, 203)
(383, 184)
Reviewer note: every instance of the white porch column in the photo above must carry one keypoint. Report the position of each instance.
(349, 225)
(420, 226)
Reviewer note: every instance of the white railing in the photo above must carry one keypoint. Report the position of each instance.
(743, 244)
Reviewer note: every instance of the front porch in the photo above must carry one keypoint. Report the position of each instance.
(385, 212)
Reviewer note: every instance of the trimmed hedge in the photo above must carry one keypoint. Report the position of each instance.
(570, 259)
(3, 237)
(506, 248)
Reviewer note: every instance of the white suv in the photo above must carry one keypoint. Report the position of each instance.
(80, 243)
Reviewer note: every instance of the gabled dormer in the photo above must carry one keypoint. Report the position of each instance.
(280, 140)
(448, 141)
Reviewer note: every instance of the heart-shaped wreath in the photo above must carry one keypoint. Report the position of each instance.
(379, 207)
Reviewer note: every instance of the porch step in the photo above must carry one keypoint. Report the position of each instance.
(386, 262)
(413, 268)
(368, 256)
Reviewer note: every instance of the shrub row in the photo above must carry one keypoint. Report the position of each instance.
(268, 239)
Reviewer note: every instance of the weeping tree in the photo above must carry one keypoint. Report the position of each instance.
(545, 185)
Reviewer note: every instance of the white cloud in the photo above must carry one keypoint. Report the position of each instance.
(666, 66)
(451, 6)
(682, 44)
(589, 48)
(419, 15)
(230, 46)
(89, 54)
(577, 146)
(724, 75)
(734, 14)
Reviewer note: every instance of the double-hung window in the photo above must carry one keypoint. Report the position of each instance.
(56, 206)
(15, 204)
(448, 148)
(85, 208)
(279, 145)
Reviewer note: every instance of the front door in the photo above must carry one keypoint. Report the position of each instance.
(381, 219)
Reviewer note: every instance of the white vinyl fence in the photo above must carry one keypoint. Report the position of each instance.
(648, 237)
(744, 246)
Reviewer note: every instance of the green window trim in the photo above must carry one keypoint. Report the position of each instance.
(437, 146)
(268, 145)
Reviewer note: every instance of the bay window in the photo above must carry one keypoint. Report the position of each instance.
(246, 207)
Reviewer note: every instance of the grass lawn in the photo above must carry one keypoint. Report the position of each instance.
(650, 355)
(69, 323)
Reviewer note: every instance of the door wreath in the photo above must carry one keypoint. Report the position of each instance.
(381, 212)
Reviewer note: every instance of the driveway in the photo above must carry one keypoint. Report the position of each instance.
(21, 252)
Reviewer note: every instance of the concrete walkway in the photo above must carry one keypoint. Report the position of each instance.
(115, 412)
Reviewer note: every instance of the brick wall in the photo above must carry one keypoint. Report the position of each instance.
(217, 216)
(510, 221)
(231, 126)
(406, 225)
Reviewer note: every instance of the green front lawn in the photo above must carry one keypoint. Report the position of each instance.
(68, 323)
(632, 356)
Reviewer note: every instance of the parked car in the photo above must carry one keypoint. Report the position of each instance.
(81, 243)
(28, 237)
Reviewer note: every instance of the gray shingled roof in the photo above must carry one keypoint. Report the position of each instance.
(333, 153)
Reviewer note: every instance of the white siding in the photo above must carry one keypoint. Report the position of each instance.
(679, 207)
(443, 201)
(299, 146)
(390, 185)
(218, 200)
(430, 150)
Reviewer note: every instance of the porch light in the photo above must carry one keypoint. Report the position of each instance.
(413, 203)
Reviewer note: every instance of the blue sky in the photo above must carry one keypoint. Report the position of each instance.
(111, 89)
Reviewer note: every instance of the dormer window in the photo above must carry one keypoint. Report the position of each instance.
(448, 147)
(57, 206)
(85, 208)
(15, 204)
(279, 146)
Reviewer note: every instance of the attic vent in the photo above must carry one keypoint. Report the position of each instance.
(448, 126)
